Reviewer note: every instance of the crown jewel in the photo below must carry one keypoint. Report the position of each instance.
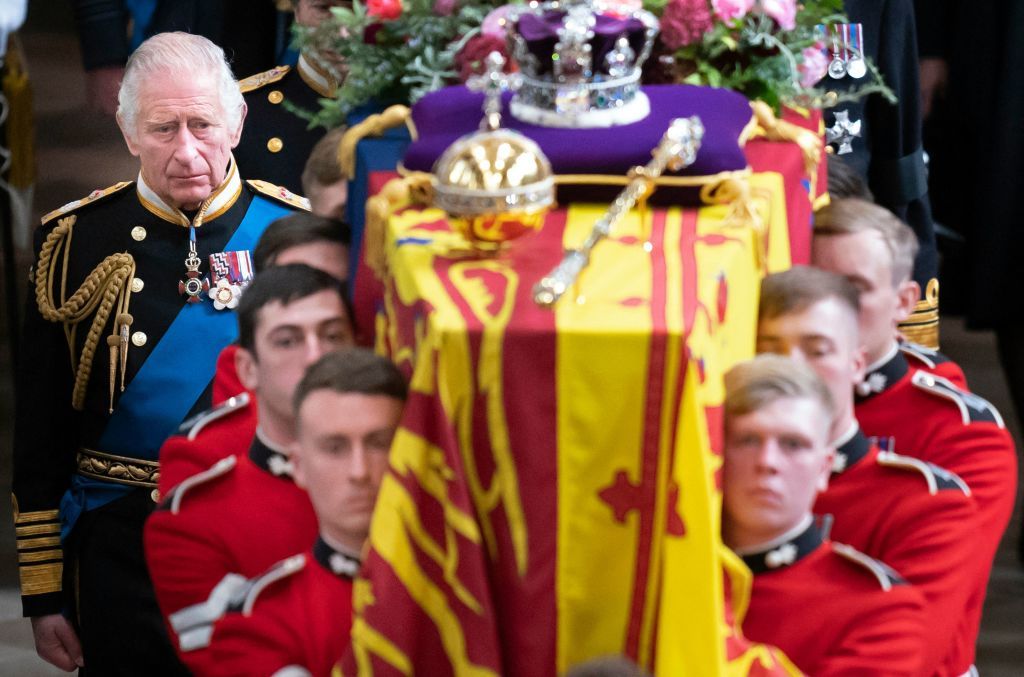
(580, 66)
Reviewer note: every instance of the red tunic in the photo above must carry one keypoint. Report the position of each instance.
(932, 419)
(225, 380)
(300, 617)
(225, 430)
(237, 517)
(884, 506)
(834, 611)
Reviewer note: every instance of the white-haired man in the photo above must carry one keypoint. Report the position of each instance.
(130, 305)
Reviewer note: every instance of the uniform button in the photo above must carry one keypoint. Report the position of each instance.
(155, 495)
(275, 97)
(830, 99)
(275, 144)
(139, 338)
(137, 284)
(138, 233)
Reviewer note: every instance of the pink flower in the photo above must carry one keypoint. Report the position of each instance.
(727, 10)
(496, 23)
(384, 9)
(783, 11)
(684, 22)
(471, 58)
(444, 7)
(813, 67)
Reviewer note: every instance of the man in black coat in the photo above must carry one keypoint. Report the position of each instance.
(888, 151)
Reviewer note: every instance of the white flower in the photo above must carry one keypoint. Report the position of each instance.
(225, 294)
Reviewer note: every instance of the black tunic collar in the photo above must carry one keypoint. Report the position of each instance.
(882, 377)
(339, 563)
(273, 461)
(787, 553)
(850, 452)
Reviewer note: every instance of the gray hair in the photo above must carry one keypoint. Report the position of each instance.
(179, 53)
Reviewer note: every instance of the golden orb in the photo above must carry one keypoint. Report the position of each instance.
(495, 186)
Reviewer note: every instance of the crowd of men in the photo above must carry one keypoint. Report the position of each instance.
(196, 467)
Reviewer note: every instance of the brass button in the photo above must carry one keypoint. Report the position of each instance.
(830, 99)
(275, 144)
(137, 284)
(138, 233)
(155, 495)
(275, 97)
(139, 338)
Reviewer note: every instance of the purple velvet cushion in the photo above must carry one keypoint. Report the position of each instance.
(443, 116)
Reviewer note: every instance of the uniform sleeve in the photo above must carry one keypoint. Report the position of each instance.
(937, 554)
(45, 441)
(886, 639)
(179, 460)
(262, 643)
(102, 32)
(185, 562)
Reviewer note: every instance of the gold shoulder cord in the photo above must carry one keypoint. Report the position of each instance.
(106, 286)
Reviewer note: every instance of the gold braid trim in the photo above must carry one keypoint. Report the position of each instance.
(743, 213)
(779, 130)
(414, 188)
(922, 326)
(373, 125)
(108, 284)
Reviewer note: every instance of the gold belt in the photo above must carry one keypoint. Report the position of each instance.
(134, 472)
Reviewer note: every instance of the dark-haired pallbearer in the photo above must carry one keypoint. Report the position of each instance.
(244, 512)
(829, 607)
(347, 409)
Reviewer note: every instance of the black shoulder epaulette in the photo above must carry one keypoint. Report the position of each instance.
(886, 576)
(93, 197)
(283, 569)
(221, 468)
(973, 408)
(927, 356)
(937, 477)
(261, 79)
(191, 427)
(279, 193)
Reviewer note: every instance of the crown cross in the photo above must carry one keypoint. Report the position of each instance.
(493, 82)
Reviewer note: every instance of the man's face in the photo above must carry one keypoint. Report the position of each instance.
(329, 200)
(182, 137)
(864, 260)
(776, 461)
(824, 337)
(340, 457)
(330, 257)
(287, 339)
(311, 13)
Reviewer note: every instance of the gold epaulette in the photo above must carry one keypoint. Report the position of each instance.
(40, 558)
(94, 196)
(279, 193)
(261, 79)
(922, 326)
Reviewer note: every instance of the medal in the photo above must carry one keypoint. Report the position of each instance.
(231, 272)
(843, 132)
(194, 285)
(856, 66)
(836, 67)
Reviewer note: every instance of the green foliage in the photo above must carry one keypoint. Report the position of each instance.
(392, 61)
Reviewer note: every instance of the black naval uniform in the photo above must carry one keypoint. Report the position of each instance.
(888, 151)
(75, 478)
(275, 141)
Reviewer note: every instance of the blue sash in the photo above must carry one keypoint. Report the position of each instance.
(169, 382)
